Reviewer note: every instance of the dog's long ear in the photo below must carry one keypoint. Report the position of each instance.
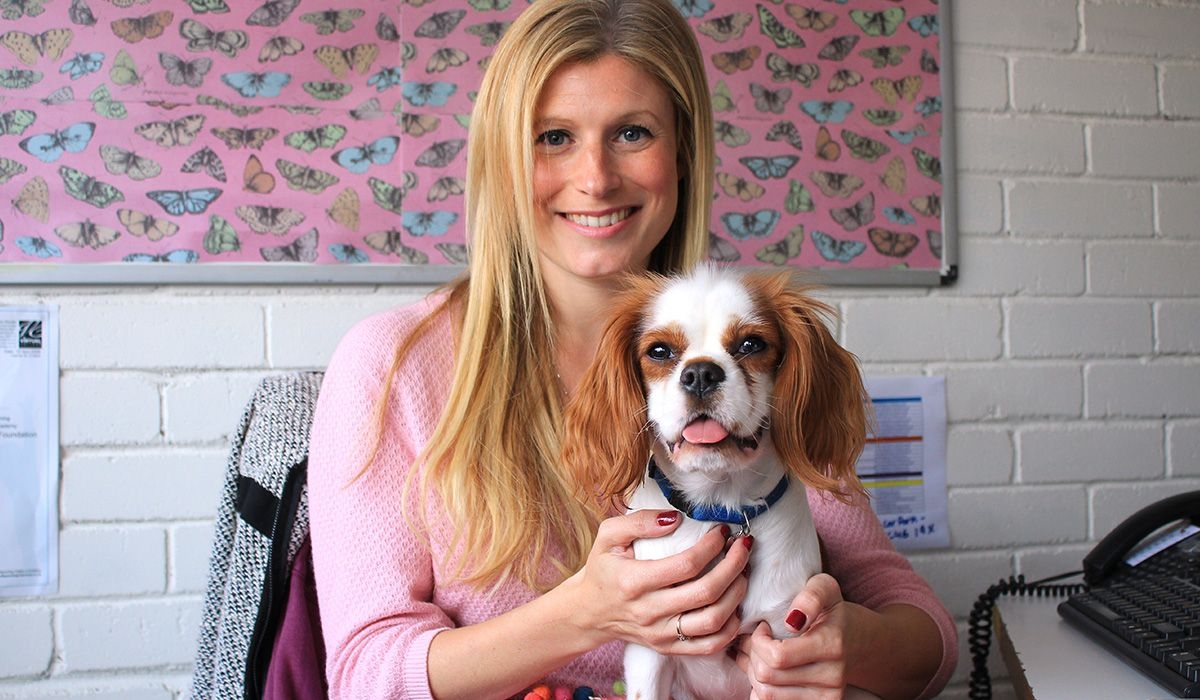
(820, 402)
(606, 441)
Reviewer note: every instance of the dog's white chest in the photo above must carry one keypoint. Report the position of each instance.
(785, 555)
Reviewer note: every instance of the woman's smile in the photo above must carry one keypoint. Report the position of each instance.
(601, 220)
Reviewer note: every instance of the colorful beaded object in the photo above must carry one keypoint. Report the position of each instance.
(544, 691)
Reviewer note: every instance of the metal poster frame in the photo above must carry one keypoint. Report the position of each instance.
(92, 93)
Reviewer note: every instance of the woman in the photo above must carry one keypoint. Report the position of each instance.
(451, 558)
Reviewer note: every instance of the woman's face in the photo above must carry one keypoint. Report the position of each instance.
(606, 175)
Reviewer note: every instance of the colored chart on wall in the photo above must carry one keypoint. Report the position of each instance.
(200, 140)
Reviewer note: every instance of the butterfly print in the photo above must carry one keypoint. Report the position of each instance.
(141, 224)
(727, 27)
(338, 132)
(195, 201)
(49, 147)
(858, 214)
(743, 225)
(835, 249)
(303, 249)
(87, 234)
(783, 251)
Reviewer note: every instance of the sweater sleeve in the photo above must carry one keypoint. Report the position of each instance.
(374, 575)
(872, 573)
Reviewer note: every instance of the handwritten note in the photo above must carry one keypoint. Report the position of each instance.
(903, 465)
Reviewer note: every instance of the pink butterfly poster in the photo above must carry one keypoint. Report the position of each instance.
(180, 140)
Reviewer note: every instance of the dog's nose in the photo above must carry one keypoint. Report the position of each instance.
(699, 378)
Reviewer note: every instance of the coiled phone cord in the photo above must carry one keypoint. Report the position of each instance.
(979, 625)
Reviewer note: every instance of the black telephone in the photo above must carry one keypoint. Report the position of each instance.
(1106, 558)
(1152, 557)
(1143, 597)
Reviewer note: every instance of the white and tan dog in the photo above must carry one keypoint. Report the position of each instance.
(723, 395)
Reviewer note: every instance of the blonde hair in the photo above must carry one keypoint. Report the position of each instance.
(494, 456)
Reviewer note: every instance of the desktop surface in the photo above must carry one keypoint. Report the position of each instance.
(1048, 659)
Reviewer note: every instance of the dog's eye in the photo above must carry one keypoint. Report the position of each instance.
(660, 352)
(751, 345)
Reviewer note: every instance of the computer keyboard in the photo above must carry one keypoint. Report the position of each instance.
(1150, 616)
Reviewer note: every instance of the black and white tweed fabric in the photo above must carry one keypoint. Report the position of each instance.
(263, 502)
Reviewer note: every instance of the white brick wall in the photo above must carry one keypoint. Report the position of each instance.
(1070, 347)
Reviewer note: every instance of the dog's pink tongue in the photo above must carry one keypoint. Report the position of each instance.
(704, 431)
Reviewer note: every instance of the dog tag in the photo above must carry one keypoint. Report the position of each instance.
(745, 528)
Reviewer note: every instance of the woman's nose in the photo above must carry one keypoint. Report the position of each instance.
(597, 173)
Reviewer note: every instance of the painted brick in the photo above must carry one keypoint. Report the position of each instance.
(1043, 562)
(161, 485)
(978, 456)
(108, 409)
(1081, 209)
(33, 626)
(158, 687)
(206, 407)
(1141, 390)
(1112, 504)
(1078, 327)
(1089, 452)
(121, 332)
(1179, 210)
(191, 547)
(1153, 269)
(1004, 517)
(1183, 449)
(303, 333)
(913, 330)
(111, 560)
(1150, 149)
(1178, 327)
(1004, 392)
(959, 577)
(126, 635)
(1020, 144)
(1006, 267)
(1023, 24)
(1010, 246)
(980, 204)
(1070, 84)
(980, 81)
(1181, 90)
(1141, 28)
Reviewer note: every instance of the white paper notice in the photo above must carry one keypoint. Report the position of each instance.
(903, 464)
(28, 450)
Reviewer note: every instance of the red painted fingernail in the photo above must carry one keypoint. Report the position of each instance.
(796, 620)
(748, 541)
(726, 531)
(667, 517)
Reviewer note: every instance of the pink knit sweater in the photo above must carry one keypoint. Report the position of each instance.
(382, 589)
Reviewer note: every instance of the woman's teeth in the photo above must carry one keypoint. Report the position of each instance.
(599, 221)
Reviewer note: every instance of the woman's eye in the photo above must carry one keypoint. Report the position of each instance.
(553, 138)
(631, 134)
(659, 352)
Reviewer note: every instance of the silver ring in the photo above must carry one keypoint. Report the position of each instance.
(679, 629)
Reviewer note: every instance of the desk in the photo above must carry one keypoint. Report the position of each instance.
(1048, 659)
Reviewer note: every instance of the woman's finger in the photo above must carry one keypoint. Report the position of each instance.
(820, 593)
(616, 534)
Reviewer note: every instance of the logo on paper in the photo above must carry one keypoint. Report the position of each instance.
(29, 334)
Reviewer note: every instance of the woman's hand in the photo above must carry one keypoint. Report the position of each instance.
(640, 601)
(892, 652)
(810, 665)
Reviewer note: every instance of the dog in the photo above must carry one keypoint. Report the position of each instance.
(721, 394)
